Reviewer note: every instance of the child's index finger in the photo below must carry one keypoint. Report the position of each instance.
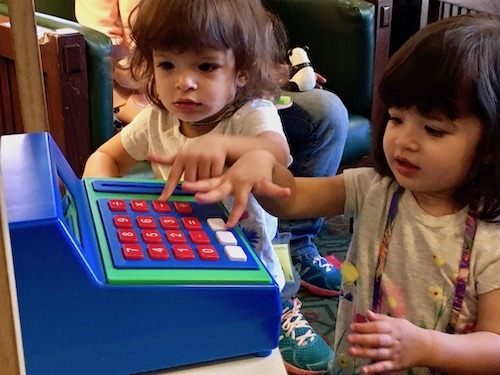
(169, 189)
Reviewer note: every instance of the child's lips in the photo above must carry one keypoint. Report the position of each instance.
(405, 168)
(186, 105)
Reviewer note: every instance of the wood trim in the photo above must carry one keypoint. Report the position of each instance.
(488, 6)
(66, 87)
(6, 105)
(433, 10)
(29, 70)
(424, 13)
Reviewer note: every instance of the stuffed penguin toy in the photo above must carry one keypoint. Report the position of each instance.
(302, 76)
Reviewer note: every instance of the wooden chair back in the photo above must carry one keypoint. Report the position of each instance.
(433, 10)
(66, 88)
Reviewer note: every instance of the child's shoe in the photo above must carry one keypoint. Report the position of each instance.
(304, 352)
(318, 276)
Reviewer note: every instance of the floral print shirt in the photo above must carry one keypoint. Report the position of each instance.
(418, 282)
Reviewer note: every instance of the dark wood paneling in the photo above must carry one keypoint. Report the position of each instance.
(66, 88)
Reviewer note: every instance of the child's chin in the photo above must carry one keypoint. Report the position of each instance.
(190, 119)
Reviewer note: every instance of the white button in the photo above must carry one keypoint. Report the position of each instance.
(226, 238)
(216, 223)
(235, 253)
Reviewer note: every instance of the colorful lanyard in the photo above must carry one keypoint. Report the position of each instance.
(463, 273)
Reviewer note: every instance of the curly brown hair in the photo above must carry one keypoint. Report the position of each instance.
(256, 36)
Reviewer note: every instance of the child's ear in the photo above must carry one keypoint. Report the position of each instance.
(241, 78)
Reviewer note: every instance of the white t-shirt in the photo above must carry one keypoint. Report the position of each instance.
(157, 131)
(418, 281)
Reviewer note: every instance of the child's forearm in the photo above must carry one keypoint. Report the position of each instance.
(472, 353)
(280, 207)
(100, 164)
(272, 142)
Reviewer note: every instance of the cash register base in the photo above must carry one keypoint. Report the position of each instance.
(81, 314)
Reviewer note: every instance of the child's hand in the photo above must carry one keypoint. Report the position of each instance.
(170, 186)
(392, 343)
(199, 160)
(252, 173)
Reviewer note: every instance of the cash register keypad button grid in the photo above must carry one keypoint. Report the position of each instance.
(144, 234)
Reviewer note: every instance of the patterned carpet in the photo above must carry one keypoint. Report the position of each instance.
(321, 312)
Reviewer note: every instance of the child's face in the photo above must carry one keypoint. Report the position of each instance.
(430, 154)
(196, 86)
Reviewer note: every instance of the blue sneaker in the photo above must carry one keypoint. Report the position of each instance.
(304, 352)
(318, 276)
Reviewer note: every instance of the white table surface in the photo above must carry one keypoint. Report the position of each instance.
(248, 365)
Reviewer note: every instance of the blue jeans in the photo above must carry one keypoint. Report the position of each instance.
(316, 129)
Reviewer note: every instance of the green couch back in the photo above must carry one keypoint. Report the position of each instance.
(59, 8)
(341, 38)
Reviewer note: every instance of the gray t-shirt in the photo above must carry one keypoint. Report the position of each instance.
(418, 281)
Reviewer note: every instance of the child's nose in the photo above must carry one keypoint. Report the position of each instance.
(186, 81)
(407, 137)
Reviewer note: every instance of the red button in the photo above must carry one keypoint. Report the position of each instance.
(183, 252)
(183, 207)
(117, 205)
(158, 252)
(151, 236)
(175, 236)
(169, 222)
(161, 206)
(207, 252)
(127, 236)
(139, 205)
(122, 221)
(199, 237)
(191, 223)
(132, 252)
(146, 222)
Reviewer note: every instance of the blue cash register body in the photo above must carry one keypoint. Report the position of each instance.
(111, 281)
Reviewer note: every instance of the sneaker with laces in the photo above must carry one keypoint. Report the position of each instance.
(304, 352)
(318, 276)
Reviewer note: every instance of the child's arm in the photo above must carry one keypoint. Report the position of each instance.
(268, 140)
(109, 160)
(259, 172)
(396, 344)
(207, 156)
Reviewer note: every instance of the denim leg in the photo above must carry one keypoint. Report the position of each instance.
(316, 129)
(291, 287)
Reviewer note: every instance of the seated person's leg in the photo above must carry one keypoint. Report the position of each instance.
(316, 128)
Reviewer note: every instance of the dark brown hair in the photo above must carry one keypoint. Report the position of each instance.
(453, 66)
(256, 37)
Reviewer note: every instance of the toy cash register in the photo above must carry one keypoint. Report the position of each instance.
(111, 281)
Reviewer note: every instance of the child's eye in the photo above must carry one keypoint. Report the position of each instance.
(434, 132)
(395, 120)
(166, 65)
(207, 67)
